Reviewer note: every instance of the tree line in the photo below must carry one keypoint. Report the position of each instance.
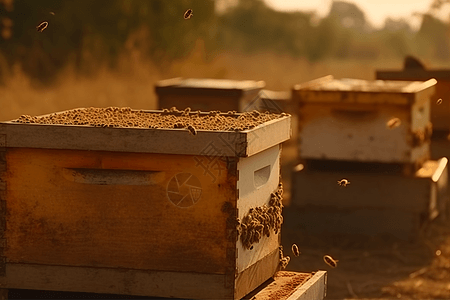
(87, 33)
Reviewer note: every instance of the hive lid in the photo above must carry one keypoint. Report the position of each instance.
(147, 140)
(328, 89)
(413, 74)
(207, 86)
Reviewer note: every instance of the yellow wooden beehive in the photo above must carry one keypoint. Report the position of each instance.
(121, 206)
(349, 120)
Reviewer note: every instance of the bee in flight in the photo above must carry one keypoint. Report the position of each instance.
(42, 26)
(188, 14)
(330, 261)
(343, 182)
(439, 102)
(295, 250)
(394, 122)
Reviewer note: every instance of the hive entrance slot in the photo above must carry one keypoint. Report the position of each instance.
(261, 176)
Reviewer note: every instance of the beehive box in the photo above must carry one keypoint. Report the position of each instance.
(119, 201)
(288, 285)
(207, 94)
(347, 120)
(373, 203)
(440, 114)
(272, 101)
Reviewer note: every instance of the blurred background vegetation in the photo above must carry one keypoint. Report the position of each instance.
(149, 39)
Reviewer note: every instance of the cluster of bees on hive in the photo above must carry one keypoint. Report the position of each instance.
(260, 221)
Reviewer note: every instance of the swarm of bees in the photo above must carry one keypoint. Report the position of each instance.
(42, 26)
(188, 14)
(295, 250)
(439, 102)
(343, 182)
(330, 261)
(393, 123)
(262, 221)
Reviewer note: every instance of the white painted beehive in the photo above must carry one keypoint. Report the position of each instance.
(347, 120)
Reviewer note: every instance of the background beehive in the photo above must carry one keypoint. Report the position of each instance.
(128, 209)
(440, 114)
(346, 120)
(207, 94)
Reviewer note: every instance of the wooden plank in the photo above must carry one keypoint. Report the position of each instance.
(333, 131)
(208, 87)
(256, 274)
(268, 135)
(167, 141)
(313, 289)
(161, 225)
(115, 281)
(254, 191)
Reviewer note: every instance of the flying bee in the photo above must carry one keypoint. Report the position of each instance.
(343, 182)
(42, 26)
(330, 261)
(188, 14)
(394, 122)
(295, 250)
(52, 13)
(191, 130)
(439, 102)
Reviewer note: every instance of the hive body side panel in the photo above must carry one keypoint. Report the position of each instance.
(259, 176)
(109, 209)
(354, 133)
(115, 281)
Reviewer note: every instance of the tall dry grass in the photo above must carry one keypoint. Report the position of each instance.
(132, 84)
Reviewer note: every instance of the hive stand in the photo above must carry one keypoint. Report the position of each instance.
(440, 114)
(136, 211)
(394, 187)
(207, 94)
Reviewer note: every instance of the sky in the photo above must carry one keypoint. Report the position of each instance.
(375, 10)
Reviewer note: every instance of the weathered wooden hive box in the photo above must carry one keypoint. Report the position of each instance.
(271, 101)
(119, 201)
(375, 202)
(440, 114)
(207, 94)
(346, 120)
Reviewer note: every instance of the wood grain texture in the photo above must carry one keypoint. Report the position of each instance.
(55, 220)
(313, 289)
(256, 274)
(116, 281)
(357, 133)
(140, 140)
(252, 196)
